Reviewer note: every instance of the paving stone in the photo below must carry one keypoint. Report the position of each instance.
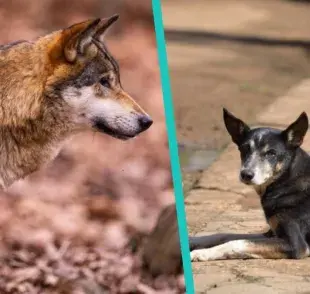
(223, 174)
(197, 216)
(205, 196)
(232, 227)
(244, 288)
(210, 277)
(234, 215)
(296, 101)
(190, 55)
(215, 21)
(262, 18)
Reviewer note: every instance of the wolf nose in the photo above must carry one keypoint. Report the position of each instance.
(145, 122)
(246, 175)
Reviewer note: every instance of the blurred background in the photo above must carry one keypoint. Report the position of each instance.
(240, 54)
(252, 57)
(71, 228)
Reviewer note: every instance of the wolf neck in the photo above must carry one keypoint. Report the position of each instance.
(29, 145)
(32, 126)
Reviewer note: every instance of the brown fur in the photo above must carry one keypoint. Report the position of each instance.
(34, 121)
(273, 223)
(268, 250)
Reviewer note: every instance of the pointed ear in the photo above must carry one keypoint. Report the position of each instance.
(295, 132)
(104, 25)
(235, 127)
(78, 39)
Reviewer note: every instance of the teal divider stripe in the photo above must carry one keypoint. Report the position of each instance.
(173, 146)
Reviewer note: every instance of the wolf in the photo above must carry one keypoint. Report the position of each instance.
(56, 86)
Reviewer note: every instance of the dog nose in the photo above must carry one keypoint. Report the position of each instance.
(246, 175)
(145, 122)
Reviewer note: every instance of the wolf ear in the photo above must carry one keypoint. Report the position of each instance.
(235, 127)
(295, 132)
(104, 25)
(78, 39)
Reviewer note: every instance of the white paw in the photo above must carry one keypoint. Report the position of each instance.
(196, 255)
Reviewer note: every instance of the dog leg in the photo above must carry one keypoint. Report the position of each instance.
(217, 239)
(266, 248)
(290, 231)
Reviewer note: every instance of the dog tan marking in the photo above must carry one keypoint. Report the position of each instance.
(260, 190)
(279, 166)
(266, 147)
(273, 223)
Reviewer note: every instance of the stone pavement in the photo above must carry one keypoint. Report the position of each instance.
(273, 19)
(220, 203)
(207, 75)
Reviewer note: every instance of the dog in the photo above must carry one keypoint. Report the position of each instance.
(273, 162)
(60, 84)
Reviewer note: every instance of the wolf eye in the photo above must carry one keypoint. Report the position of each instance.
(105, 82)
(271, 153)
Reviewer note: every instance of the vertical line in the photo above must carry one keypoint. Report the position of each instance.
(173, 147)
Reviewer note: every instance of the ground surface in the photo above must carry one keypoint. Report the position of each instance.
(246, 79)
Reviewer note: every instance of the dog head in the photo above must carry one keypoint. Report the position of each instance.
(86, 77)
(266, 153)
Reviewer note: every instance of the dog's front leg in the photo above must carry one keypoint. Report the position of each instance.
(218, 239)
(265, 248)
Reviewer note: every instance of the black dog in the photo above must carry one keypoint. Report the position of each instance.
(279, 170)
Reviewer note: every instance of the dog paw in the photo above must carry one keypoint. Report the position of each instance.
(196, 255)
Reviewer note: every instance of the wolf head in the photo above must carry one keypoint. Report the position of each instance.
(86, 78)
(266, 153)
(55, 86)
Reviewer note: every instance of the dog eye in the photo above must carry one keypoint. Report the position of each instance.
(271, 153)
(105, 82)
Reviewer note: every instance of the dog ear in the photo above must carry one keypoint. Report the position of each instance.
(295, 132)
(104, 25)
(235, 127)
(77, 39)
